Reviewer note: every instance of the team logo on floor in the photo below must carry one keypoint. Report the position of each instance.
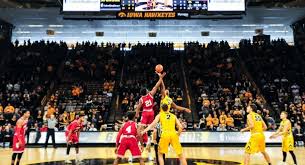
(170, 161)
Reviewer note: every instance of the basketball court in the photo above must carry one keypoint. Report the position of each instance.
(195, 155)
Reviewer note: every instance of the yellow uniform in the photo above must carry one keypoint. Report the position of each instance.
(168, 101)
(256, 142)
(287, 138)
(169, 134)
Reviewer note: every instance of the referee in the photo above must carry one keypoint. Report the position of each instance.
(51, 132)
(156, 139)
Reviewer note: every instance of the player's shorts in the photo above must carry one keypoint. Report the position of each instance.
(288, 144)
(18, 148)
(173, 140)
(73, 138)
(145, 138)
(147, 117)
(131, 144)
(256, 143)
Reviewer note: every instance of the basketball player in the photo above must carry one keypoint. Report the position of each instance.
(127, 140)
(72, 136)
(19, 137)
(168, 123)
(287, 137)
(165, 99)
(146, 102)
(256, 143)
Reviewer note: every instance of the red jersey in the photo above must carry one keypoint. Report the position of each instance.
(19, 137)
(147, 102)
(75, 127)
(128, 130)
(126, 140)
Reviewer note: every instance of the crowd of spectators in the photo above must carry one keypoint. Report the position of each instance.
(25, 79)
(33, 66)
(220, 88)
(279, 71)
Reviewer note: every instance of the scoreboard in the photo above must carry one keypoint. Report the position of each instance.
(139, 7)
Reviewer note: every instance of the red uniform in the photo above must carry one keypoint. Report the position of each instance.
(19, 137)
(75, 128)
(148, 109)
(127, 140)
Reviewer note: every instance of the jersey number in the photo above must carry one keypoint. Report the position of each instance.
(148, 103)
(168, 117)
(258, 118)
(128, 129)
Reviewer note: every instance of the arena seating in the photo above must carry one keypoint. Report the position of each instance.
(86, 78)
(279, 70)
(220, 85)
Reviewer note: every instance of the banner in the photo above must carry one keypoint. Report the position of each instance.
(151, 15)
(185, 137)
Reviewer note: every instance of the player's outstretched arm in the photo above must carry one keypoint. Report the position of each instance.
(152, 125)
(275, 134)
(162, 89)
(139, 106)
(283, 131)
(179, 108)
(250, 124)
(118, 137)
(155, 88)
(179, 126)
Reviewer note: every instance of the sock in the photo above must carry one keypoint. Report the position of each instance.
(68, 149)
(284, 156)
(293, 157)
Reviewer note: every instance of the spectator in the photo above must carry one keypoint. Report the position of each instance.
(9, 111)
(270, 122)
(7, 135)
(209, 121)
(215, 121)
(298, 134)
(221, 127)
(230, 122)
(201, 124)
(2, 120)
(238, 118)
(92, 128)
(222, 118)
(1, 108)
(38, 133)
(50, 111)
(196, 127)
(44, 128)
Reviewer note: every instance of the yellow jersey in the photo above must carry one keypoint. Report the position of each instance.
(168, 101)
(282, 126)
(167, 122)
(258, 123)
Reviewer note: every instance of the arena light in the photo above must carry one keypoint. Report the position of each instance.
(56, 25)
(22, 32)
(276, 25)
(88, 32)
(217, 31)
(35, 25)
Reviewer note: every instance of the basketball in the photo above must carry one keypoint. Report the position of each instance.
(159, 68)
